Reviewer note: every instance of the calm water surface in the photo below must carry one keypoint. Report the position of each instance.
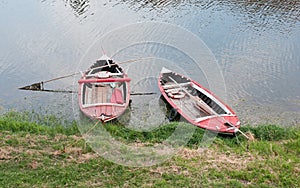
(256, 45)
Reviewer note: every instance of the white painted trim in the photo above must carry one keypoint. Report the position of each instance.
(212, 116)
(176, 85)
(103, 104)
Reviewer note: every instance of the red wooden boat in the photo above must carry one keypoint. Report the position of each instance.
(196, 104)
(103, 91)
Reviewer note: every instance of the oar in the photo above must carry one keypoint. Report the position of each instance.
(209, 108)
(69, 91)
(50, 90)
(39, 86)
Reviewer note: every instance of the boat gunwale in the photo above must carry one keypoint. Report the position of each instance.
(95, 80)
(103, 104)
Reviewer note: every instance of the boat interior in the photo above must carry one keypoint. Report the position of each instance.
(194, 102)
(104, 94)
(105, 65)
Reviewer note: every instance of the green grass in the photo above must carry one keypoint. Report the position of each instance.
(46, 151)
(34, 123)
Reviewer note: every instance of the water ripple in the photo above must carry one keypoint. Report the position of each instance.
(258, 15)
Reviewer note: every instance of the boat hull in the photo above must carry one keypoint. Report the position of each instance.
(197, 104)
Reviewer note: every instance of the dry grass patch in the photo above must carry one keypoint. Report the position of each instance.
(170, 169)
(214, 158)
(42, 145)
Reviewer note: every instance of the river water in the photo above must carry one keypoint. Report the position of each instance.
(254, 46)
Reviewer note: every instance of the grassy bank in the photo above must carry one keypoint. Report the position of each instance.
(45, 152)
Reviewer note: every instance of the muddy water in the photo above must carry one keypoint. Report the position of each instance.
(255, 44)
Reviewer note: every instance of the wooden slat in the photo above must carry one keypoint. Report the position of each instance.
(175, 85)
(99, 94)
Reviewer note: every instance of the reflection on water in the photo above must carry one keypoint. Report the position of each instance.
(137, 4)
(259, 14)
(268, 14)
(79, 6)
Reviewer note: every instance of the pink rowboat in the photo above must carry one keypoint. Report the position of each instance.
(103, 92)
(196, 104)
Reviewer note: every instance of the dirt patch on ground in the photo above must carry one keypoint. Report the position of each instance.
(40, 145)
(5, 153)
(172, 169)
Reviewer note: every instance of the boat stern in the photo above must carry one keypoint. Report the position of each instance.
(105, 118)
